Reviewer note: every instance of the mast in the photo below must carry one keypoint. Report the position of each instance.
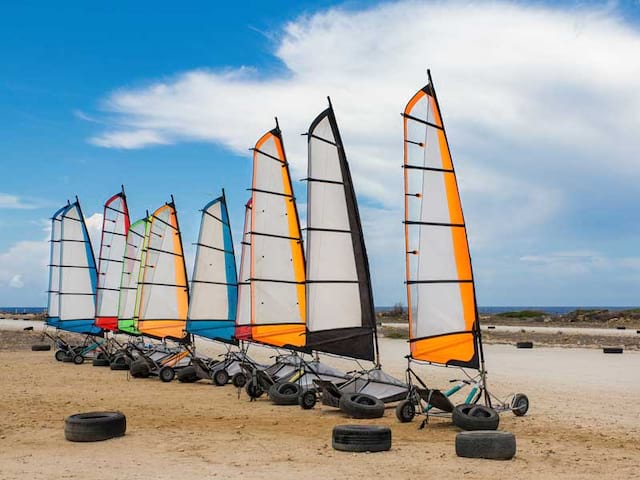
(340, 311)
(443, 318)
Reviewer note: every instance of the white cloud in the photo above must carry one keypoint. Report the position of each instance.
(16, 282)
(540, 105)
(94, 227)
(8, 201)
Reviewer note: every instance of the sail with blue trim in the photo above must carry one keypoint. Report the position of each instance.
(214, 285)
(78, 274)
(53, 293)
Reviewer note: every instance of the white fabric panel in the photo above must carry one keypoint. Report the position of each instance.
(439, 309)
(210, 301)
(336, 302)
(131, 270)
(435, 254)
(53, 309)
(324, 161)
(333, 259)
(326, 206)
(272, 258)
(73, 253)
(112, 248)
(275, 303)
(243, 315)
(160, 302)
(271, 213)
(435, 208)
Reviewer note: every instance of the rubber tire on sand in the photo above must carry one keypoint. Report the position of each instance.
(119, 363)
(486, 444)
(469, 416)
(187, 375)
(40, 347)
(612, 349)
(101, 362)
(253, 389)
(520, 399)
(405, 411)
(59, 355)
(307, 399)
(67, 358)
(140, 369)
(361, 405)
(361, 438)
(524, 345)
(239, 380)
(220, 377)
(286, 393)
(167, 374)
(94, 426)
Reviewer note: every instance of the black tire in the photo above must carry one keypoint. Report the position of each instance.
(167, 374)
(405, 411)
(59, 355)
(612, 349)
(101, 362)
(285, 393)
(361, 438)
(524, 345)
(253, 389)
(469, 416)
(486, 444)
(621, 327)
(140, 369)
(119, 363)
(361, 405)
(40, 347)
(187, 375)
(94, 426)
(307, 400)
(491, 327)
(67, 358)
(78, 359)
(239, 380)
(220, 377)
(520, 404)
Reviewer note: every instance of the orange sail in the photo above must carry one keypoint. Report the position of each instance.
(443, 319)
(164, 297)
(277, 258)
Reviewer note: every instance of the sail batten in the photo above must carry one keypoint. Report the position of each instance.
(277, 257)
(440, 288)
(214, 287)
(340, 313)
(115, 226)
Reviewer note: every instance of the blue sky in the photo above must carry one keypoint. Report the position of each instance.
(540, 102)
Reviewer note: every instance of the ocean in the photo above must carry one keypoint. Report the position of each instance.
(485, 310)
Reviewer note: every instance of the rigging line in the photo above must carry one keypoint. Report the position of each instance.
(213, 248)
(414, 282)
(293, 282)
(331, 230)
(312, 135)
(424, 122)
(433, 224)
(273, 235)
(429, 169)
(114, 209)
(214, 283)
(271, 193)
(321, 180)
(213, 216)
(272, 157)
(164, 251)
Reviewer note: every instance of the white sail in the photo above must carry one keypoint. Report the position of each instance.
(53, 306)
(130, 273)
(243, 314)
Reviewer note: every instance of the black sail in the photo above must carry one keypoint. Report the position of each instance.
(340, 312)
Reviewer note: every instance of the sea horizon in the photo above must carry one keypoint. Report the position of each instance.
(492, 309)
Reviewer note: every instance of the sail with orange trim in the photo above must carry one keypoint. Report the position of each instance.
(164, 294)
(243, 312)
(277, 258)
(443, 319)
(115, 226)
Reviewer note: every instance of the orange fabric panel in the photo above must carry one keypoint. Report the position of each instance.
(445, 348)
(280, 335)
(163, 328)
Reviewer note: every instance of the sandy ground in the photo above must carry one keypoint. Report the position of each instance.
(584, 423)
